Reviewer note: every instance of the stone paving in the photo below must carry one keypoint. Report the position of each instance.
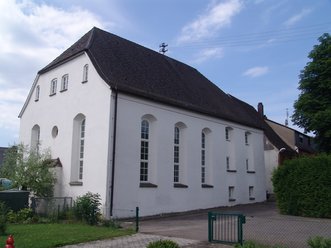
(138, 240)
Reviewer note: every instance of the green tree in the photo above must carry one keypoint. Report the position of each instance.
(312, 109)
(29, 169)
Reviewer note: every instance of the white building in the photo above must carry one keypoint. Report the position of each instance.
(275, 150)
(142, 129)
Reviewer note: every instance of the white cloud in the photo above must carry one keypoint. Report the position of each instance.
(41, 31)
(256, 71)
(209, 53)
(11, 102)
(296, 18)
(13, 95)
(215, 17)
(32, 35)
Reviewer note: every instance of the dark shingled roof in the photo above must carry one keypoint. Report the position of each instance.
(134, 69)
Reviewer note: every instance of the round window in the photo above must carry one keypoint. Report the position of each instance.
(55, 131)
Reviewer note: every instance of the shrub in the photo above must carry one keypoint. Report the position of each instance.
(87, 208)
(319, 242)
(303, 186)
(163, 244)
(24, 216)
(3, 218)
(252, 244)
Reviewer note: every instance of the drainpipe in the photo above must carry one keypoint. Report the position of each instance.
(113, 155)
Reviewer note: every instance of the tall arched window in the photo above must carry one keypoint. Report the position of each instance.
(176, 154)
(203, 157)
(144, 150)
(85, 73)
(81, 148)
(78, 149)
(206, 163)
(179, 165)
(35, 138)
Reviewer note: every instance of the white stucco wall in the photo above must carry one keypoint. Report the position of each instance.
(271, 163)
(91, 99)
(166, 198)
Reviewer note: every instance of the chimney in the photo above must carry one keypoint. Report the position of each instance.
(260, 109)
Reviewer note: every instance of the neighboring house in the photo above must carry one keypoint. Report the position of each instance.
(142, 129)
(300, 142)
(281, 142)
(2, 153)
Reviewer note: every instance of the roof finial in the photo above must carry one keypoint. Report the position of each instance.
(163, 49)
(286, 120)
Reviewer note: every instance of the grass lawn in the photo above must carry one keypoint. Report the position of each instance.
(55, 235)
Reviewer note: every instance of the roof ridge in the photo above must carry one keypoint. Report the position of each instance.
(91, 38)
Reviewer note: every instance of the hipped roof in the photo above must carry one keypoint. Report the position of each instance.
(131, 68)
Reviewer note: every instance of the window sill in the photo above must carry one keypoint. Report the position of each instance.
(147, 185)
(252, 198)
(180, 185)
(206, 186)
(63, 90)
(232, 200)
(76, 183)
(231, 170)
(85, 81)
(53, 94)
(251, 172)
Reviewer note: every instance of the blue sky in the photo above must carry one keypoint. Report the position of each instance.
(252, 49)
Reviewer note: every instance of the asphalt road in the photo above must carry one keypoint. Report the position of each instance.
(263, 224)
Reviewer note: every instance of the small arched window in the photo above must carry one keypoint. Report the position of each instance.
(85, 73)
(53, 87)
(64, 82)
(37, 94)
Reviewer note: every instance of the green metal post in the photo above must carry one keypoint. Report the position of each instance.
(137, 219)
(210, 226)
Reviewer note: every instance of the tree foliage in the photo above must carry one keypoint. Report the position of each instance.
(29, 169)
(312, 109)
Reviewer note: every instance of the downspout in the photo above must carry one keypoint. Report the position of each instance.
(113, 155)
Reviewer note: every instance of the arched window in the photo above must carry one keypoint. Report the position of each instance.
(247, 134)
(78, 149)
(64, 82)
(176, 154)
(228, 132)
(81, 148)
(203, 157)
(147, 174)
(53, 87)
(35, 138)
(36, 98)
(144, 150)
(85, 73)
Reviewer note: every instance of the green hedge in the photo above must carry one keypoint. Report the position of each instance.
(163, 244)
(303, 186)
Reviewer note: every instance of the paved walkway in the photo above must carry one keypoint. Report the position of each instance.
(141, 240)
(263, 224)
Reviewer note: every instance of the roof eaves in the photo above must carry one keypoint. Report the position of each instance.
(29, 96)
